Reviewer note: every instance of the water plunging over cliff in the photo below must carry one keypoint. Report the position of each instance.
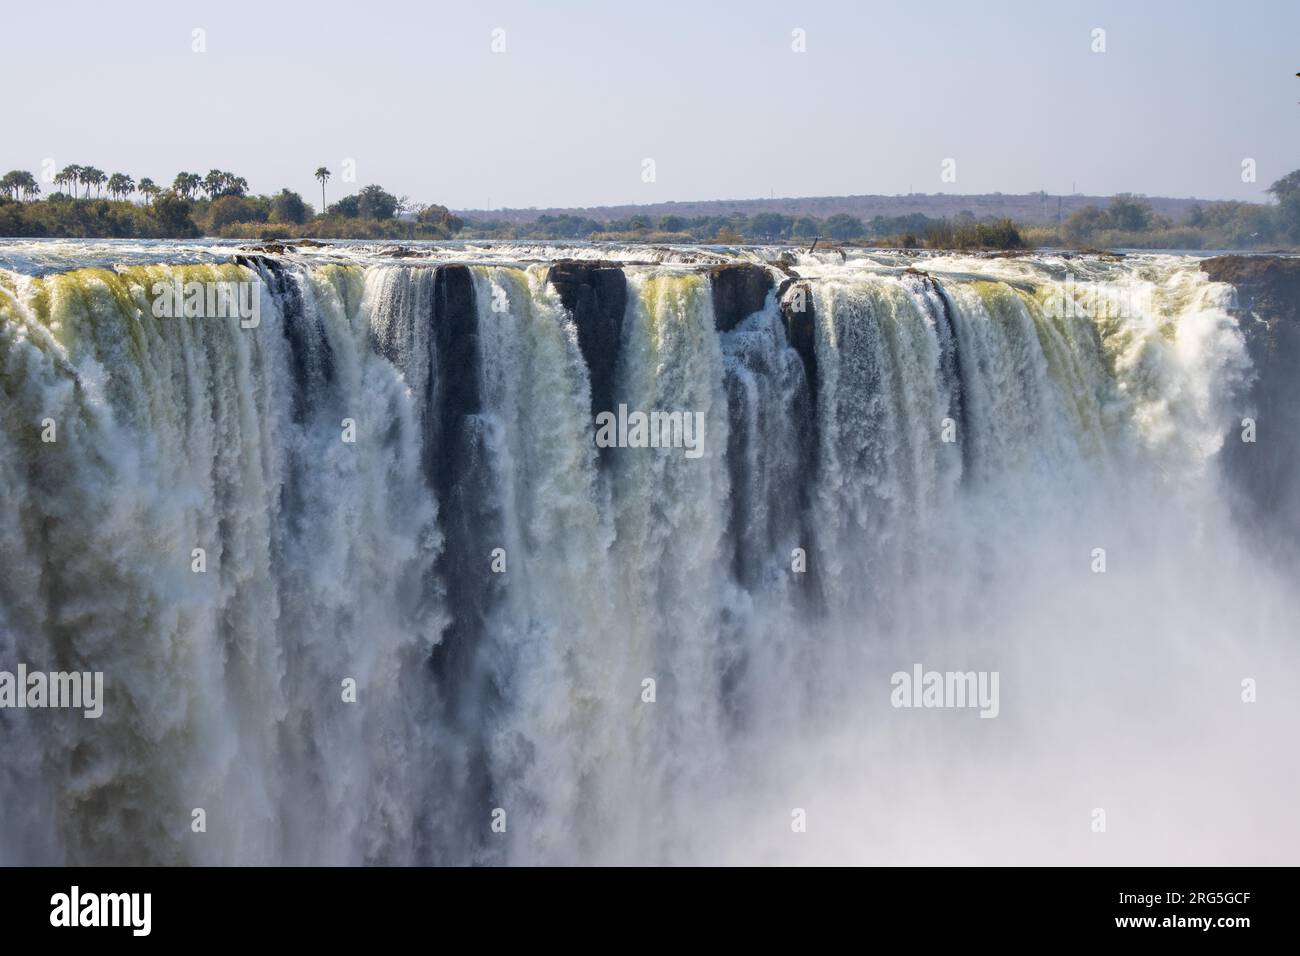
(903, 460)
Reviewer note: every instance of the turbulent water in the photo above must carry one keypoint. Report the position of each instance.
(917, 466)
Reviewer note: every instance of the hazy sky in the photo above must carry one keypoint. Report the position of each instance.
(712, 92)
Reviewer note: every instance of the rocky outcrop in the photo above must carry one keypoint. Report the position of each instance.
(1268, 286)
(311, 357)
(595, 293)
(456, 353)
(1264, 472)
(739, 290)
(460, 462)
(799, 317)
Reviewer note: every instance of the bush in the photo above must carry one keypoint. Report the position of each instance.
(1128, 213)
(374, 203)
(844, 226)
(95, 219)
(347, 208)
(994, 234)
(173, 215)
(442, 218)
(228, 209)
(1081, 224)
(288, 207)
(770, 225)
(806, 227)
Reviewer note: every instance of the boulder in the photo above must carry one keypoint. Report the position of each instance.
(739, 290)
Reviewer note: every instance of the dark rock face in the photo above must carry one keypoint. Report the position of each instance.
(465, 472)
(951, 368)
(457, 362)
(595, 293)
(311, 357)
(1265, 472)
(799, 317)
(1267, 285)
(739, 290)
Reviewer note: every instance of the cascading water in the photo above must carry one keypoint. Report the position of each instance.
(566, 653)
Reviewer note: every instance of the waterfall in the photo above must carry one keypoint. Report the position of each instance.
(364, 588)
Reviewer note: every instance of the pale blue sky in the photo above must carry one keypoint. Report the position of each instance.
(711, 91)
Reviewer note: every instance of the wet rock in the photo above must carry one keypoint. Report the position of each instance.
(739, 290)
(460, 460)
(1101, 254)
(1267, 309)
(595, 293)
(1266, 285)
(784, 264)
(799, 317)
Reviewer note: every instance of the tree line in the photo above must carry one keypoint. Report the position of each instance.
(1127, 221)
(219, 204)
(90, 203)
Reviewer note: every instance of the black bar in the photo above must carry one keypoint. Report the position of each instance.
(978, 906)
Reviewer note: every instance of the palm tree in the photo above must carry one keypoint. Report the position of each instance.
(148, 189)
(323, 175)
(90, 176)
(69, 176)
(186, 184)
(120, 184)
(28, 185)
(214, 183)
(9, 183)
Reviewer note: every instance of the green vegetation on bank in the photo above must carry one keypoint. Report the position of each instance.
(217, 204)
(93, 204)
(1127, 222)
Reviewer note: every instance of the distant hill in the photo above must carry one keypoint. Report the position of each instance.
(1028, 208)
